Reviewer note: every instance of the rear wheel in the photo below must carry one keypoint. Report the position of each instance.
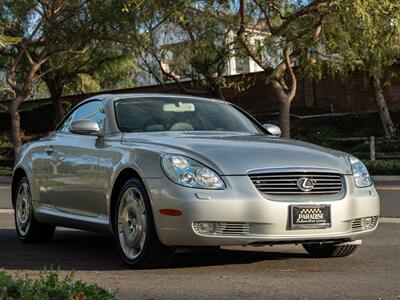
(329, 250)
(136, 235)
(28, 229)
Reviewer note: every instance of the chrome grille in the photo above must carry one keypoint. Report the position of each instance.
(286, 183)
(229, 228)
(356, 225)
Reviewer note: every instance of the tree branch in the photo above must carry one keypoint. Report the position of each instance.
(303, 11)
(266, 16)
(292, 75)
(27, 54)
(282, 66)
(60, 65)
(243, 41)
(49, 56)
(3, 89)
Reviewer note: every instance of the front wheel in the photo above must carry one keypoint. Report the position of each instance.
(135, 231)
(28, 229)
(329, 250)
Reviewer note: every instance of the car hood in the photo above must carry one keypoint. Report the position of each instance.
(237, 154)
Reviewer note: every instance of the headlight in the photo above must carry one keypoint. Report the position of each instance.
(360, 173)
(188, 172)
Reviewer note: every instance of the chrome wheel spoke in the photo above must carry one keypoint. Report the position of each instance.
(23, 209)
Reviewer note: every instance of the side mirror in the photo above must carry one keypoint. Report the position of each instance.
(273, 129)
(88, 127)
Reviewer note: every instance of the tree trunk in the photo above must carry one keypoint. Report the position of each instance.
(284, 117)
(58, 110)
(15, 126)
(284, 108)
(384, 114)
(55, 88)
(218, 92)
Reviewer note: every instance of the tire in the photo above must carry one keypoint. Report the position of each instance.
(135, 232)
(28, 229)
(329, 250)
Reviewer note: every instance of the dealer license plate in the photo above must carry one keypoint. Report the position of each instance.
(310, 216)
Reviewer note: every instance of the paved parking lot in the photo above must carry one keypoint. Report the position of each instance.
(373, 272)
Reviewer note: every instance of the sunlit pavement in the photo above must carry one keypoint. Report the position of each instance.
(279, 272)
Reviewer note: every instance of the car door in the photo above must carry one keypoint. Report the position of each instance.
(73, 162)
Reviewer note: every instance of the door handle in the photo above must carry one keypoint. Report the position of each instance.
(49, 150)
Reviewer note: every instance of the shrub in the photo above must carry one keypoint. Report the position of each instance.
(5, 171)
(383, 167)
(50, 286)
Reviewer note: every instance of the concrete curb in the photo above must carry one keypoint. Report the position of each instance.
(5, 179)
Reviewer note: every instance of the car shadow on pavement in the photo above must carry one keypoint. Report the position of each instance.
(80, 250)
(230, 257)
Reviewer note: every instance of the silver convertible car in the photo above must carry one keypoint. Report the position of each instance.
(161, 172)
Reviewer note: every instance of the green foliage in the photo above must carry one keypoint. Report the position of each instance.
(117, 73)
(39, 90)
(77, 46)
(5, 171)
(104, 66)
(362, 35)
(107, 62)
(319, 133)
(383, 167)
(6, 40)
(50, 286)
(81, 84)
(67, 107)
(201, 43)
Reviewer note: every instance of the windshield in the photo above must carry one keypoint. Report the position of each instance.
(185, 114)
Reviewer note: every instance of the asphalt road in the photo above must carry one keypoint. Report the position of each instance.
(389, 192)
(280, 272)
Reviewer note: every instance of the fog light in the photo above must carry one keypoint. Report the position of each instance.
(367, 223)
(204, 227)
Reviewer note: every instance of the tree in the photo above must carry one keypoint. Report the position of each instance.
(292, 31)
(364, 35)
(41, 26)
(4, 38)
(185, 39)
(104, 65)
(210, 44)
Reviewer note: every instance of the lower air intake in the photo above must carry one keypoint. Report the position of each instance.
(222, 228)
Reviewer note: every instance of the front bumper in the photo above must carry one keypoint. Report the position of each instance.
(268, 219)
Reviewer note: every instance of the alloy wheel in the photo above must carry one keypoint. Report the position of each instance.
(23, 209)
(132, 223)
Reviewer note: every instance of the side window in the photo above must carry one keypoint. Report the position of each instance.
(91, 111)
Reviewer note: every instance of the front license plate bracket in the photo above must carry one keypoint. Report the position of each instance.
(310, 216)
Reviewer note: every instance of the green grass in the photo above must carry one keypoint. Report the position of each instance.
(50, 286)
(383, 167)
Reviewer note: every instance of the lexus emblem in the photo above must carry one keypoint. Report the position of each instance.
(305, 184)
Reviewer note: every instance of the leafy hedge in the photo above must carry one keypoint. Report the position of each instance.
(50, 286)
(5, 171)
(383, 167)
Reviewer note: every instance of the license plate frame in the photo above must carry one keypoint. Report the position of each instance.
(308, 216)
